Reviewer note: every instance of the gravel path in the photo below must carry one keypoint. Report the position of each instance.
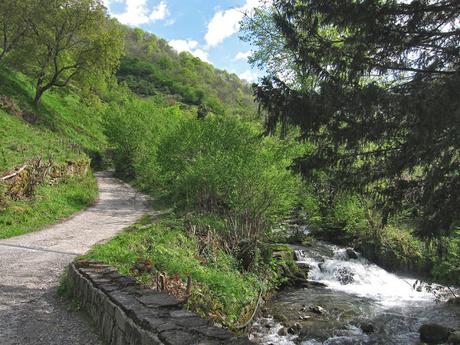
(31, 266)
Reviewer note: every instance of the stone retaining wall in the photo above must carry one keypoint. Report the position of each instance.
(125, 313)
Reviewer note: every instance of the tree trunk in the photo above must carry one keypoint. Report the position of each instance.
(38, 96)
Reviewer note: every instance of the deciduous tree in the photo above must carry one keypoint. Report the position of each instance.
(70, 40)
(13, 24)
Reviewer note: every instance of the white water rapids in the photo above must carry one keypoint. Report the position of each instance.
(356, 291)
(365, 279)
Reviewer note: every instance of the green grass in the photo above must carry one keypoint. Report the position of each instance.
(50, 204)
(220, 291)
(65, 127)
(20, 142)
(63, 116)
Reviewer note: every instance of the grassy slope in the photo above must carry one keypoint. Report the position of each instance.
(220, 290)
(49, 205)
(65, 129)
(64, 126)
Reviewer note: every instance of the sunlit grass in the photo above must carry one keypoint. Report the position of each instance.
(50, 204)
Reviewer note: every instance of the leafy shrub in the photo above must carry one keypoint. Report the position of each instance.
(216, 165)
(134, 128)
(447, 266)
(221, 164)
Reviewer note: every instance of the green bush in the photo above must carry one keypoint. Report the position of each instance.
(447, 265)
(221, 164)
(134, 128)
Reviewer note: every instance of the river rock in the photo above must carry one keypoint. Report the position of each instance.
(316, 284)
(320, 266)
(434, 334)
(351, 253)
(308, 284)
(454, 338)
(454, 300)
(367, 327)
(303, 266)
(268, 324)
(283, 332)
(294, 328)
(279, 317)
(317, 310)
(344, 275)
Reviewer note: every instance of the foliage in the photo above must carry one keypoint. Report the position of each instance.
(13, 27)
(447, 267)
(151, 67)
(68, 41)
(269, 52)
(134, 128)
(380, 101)
(219, 290)
(217, 165)
(221, 165)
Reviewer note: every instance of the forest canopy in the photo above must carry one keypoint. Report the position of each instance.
(150, 67)
(375, 85)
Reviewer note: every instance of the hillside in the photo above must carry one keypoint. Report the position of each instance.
(150, 67)
(61, 128)
(62, 132)
(69, 123)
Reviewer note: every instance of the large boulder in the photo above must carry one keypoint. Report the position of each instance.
(432, 333)
(367, 327)
(351, 253)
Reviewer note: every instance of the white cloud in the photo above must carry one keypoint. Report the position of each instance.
(242, 56)
(160, 12)
(190, 46)
(248, 75)
(201, 54)
(138, 12)
(183, 45)
(226, 23)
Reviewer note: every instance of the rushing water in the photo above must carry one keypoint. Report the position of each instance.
(358, 295)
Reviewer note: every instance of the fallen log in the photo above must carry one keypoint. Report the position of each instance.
(7, 177)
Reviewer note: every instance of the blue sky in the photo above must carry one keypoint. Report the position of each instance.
(207, 29)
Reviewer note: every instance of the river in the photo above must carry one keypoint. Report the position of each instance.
(358, 295)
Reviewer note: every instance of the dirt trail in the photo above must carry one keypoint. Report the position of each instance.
(31, 266)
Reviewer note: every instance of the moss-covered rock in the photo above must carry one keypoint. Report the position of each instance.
(434, 334)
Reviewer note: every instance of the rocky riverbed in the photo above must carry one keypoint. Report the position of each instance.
(360, 303)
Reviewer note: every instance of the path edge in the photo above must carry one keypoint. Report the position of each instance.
(126, 313)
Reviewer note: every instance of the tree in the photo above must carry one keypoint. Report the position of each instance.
(269, 54)
(13, 24)
(384, 107)
(70, 40)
